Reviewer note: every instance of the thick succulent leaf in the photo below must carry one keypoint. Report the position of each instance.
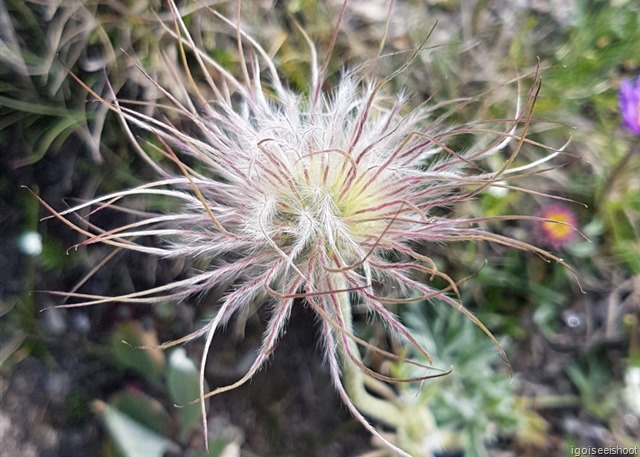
(132, 438)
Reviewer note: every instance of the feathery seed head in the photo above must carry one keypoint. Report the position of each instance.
(304, 196)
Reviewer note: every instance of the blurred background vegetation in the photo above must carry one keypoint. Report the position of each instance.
(71, 387)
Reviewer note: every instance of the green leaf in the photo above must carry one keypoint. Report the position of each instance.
(132, 438)
(145, 410)
(149, 363)
(183, 384)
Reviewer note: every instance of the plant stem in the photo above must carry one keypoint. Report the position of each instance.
(354, 378)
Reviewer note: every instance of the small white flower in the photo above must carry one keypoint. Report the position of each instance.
(632, 389)
(30, 243)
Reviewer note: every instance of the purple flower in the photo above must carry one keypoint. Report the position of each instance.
(630, 104)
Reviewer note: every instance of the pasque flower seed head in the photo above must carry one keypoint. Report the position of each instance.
(327, 198)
